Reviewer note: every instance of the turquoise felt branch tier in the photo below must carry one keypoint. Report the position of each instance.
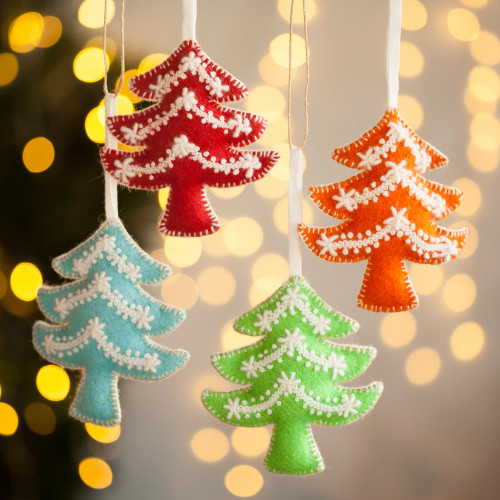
(293, 375)
(104, 321)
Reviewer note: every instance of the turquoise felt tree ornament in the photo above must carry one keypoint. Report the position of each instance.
(105, 321)
(293, 375)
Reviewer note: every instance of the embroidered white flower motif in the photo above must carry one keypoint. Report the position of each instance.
(321, 325)
(249, 367)
(397, 172)
(133, 273)
(182, 146)
(291, 339)
(190, 63)
(106, 243)
(338, 364)
(350, 404)
(216, 86)
(143, 317)
(239, 125)
(133, 135)
(150, 362)
(289, 385)
(398, 220)
(48, 344)
(95, 329)
(62, 307)
(439, 205)
(124, 170)
(100, 281)
(397, 131)
(81, 266)
(450, 251)
(293, 298)
(327, 244)
(159, 87)
(265, 321)
(345, 199)
(250, 163)
(368, 159)
(188, 100)
(232, 406)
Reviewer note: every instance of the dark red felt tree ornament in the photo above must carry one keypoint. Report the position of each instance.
(188, 139)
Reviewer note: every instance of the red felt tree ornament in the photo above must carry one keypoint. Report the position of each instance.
(188, 139)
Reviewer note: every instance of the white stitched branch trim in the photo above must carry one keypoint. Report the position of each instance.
(182, 148)
(138, 314)
(95, 330)
(398, 226)
(286, 386)
(106, 244)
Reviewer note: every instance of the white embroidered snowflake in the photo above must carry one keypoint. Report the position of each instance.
(124, 170)
(251, 163)
(291, 339)
(187, 100)
(216, 86)
(249, 367)
(133, 135)
(101, 281)
(190, 63)
(150, 362)
(293, 298)
(450, 251)
(239, 125)
(368, 159)
(133, 272)
(143, 317)
(288, 385)
(398, 220)
(345, 199)
(95, 328)
(321, 325)
(81, 266)
(397, 131)
(327, 244)
(265, 321)
(232, 407)
(62, 307)
(350, 404)
(338, 364)
(397, 172)
(48, 345)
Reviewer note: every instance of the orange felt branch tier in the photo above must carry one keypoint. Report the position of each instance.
(389, 212)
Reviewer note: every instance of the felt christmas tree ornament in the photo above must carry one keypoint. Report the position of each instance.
(293, 376)
(188, 139)
(390, 210)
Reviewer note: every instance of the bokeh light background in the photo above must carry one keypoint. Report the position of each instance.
(434, 434)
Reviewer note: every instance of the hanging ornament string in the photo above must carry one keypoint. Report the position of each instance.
(189, 10)
(295, 171)
(110, 100)
(393, 49)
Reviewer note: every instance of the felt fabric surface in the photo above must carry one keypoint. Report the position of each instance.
(189, 140)
(293, 375)
(104, 321)
(390, 211)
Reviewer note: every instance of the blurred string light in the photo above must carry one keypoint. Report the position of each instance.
(398, 329)
(280, 170)
(278, 50)
(482, 160)
(284, 10)
(467, 341)
(262, 288)
(95, 473)
(270, 187)
(412, 110)
(212, 381)
(484, 83)
(180, 290)
(414, 15)
(52, 382)
(485, 132)
(163, 197)
(426, 279)
(96, 42)
(486, 48)
(150, 62)
(38, 154)
(273, 73)
(227, 193)
(250, 442)
(215, 244)
(182, 252)
(40, 418)
(90, 13)
(231, 339)
(244, 481)
(216, 285)
(270, 264)
(25, 280)
(0, 391)
(52, 31)
(474, 3)
(463, 24)
(280, 214)
(125, 91)
(3, 285)
(243, 236)
(422, 366)
(9, 67)
(266, 101)
(459, 292)
(475, 105)
(472, 196)
(88, 64)
(412, 60)
(25, 32)
(8, 420)
(276, 132)
(210, 445)
(103, 434)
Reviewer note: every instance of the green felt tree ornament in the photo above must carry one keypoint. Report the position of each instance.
(293, 375)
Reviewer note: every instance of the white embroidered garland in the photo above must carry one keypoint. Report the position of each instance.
(95, 330)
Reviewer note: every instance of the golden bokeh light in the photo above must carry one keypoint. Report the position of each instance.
(88, 64)
(40, 418)
(485, 132)
(216, 285)
(96, 41)
(270, 187)
(472, 196)
(210, 445)
(103, 434)
(38, 154)
(467, 341)
(280, 214)
(210, 381)
(266, 101)
(180, 290)
(270, 264)
(25, 32)
(244, 481)
(481, 159)
(250, 442)
(52, 31)
(412, 111)
(0, 391)
(426, 279)
(273, 73)
(284, 10)
(472, 240)
(476, 106)
(182, 252)
(486, 48)
(94, 128)
(125, 90)
(281, 170)
(414, 15)
(214, 244)
(484, 83)
(278, 49)
(276, 132)
(123, 107)
(3, 285)
(91, 13)
(9, 67)
(422, 366)
(262, 288)
(463, 24)
(25, 280)
(475, 4)
(95, 473)
(227, 193)
(163, 197)
(243, 236)
(231, 339)
(459, 292)
(412, 60)
(398, 329)
(150, 61)
(52, 382)
(8, 420)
